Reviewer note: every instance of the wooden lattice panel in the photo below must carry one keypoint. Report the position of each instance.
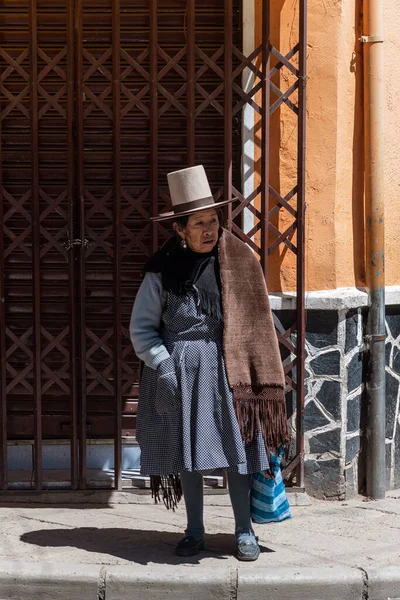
(37, 188)
(99, 100)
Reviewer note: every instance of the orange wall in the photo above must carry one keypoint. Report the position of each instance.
(334, 165)
(392, 139)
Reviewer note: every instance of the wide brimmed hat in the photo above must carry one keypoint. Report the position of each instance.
(190, 192)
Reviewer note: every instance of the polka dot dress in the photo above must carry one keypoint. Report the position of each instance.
(195, 429)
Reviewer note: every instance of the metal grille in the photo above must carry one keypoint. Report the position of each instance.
(99, 100)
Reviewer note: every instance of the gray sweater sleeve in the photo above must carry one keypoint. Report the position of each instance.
(146, 319)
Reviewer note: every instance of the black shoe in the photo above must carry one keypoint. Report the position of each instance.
(248, 550)
(188, 546)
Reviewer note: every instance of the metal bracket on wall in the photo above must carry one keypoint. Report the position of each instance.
(374, 337)
(369, 39)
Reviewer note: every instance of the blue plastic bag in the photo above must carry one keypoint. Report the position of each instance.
(268, 502)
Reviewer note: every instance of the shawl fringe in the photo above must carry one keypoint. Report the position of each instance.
(169, 486)
(209, 303)
(262, 409)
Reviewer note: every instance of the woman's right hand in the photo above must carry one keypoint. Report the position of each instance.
(167, 387)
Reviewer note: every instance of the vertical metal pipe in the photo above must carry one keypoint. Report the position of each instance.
(301, 166)
(153, 120)
(36, 246)
(191, 74)
(3, 393)
(71, 266)
(80, 179)
(228, 107)
(375, 243)
(265, 133)
(116, 42)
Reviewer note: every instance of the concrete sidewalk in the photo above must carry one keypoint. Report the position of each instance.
(125, 551)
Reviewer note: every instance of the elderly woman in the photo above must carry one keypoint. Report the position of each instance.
(212, 389)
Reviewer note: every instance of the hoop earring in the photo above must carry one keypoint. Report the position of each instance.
(184, 244)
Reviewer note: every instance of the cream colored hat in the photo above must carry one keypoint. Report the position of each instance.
(190, 192)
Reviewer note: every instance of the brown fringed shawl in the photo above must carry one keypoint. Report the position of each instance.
(251, 353)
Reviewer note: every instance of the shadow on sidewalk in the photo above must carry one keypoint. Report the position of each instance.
(134, 545)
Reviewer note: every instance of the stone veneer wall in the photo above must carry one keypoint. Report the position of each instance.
(335, 404)
(393, 397)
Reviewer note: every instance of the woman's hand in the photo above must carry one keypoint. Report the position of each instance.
(167, 387)
(269, 474)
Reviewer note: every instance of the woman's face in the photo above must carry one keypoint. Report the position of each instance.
(201, 231)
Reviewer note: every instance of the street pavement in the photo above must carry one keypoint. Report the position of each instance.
(126, 551)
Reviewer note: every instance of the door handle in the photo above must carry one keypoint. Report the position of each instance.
(76, 242)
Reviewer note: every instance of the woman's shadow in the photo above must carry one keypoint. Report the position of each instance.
(133, 545)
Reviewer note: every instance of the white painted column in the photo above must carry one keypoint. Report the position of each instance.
(248, 165)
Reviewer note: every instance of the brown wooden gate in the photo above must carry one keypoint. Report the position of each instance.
(99, 100)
